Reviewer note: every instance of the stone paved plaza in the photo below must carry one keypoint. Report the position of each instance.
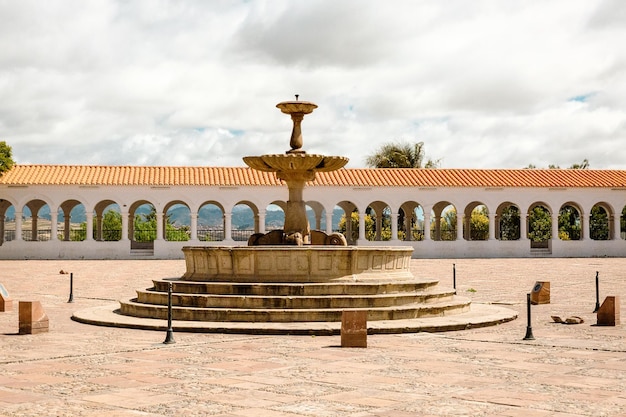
(83, 370)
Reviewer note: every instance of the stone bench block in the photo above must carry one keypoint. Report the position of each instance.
(354, 328)
(540, 293)
(32, 318)
(6, 303)
(609, 312)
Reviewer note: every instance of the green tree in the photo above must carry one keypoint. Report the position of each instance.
(176, 234)
(539, 224)
(6, 157)
(400, 155)
(354, 217)
(447, 225)
(479, 224)
(79, 234)
(569, 223)
(599, 223)
(144, 228)
(385, 225)
(370, 227)
(111, 226)
(75, 234)
(416, 227)
(583, 165)
(417, 234)
(510, 223)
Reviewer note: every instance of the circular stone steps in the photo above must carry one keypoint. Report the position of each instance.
(408, 311)
(293, 289)
(289, 302)
(238, 301)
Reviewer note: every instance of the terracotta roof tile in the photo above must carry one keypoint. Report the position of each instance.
(235, 176)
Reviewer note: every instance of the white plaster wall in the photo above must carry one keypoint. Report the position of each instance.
(261, 197)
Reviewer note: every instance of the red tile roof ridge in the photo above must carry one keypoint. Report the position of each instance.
(49, 174)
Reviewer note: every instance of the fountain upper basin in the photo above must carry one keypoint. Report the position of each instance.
(294, 107)
(295, 162)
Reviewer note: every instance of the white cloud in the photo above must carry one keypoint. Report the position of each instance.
(483, 83)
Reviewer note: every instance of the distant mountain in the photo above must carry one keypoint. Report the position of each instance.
(209, 216)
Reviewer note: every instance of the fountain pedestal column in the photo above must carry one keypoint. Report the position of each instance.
(296, 141)
(296, 220)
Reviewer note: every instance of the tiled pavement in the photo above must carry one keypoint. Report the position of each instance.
(82, 370)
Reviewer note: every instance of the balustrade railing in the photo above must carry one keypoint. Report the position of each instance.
(177, 235)
(216, 235)
(241, 235)
(76, 235)
(9, 235)
(448, 235)
(39, 235)
(575, 234)
(110, 235)
(210, 235)
(144, 235)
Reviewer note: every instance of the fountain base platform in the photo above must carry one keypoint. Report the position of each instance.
(297, 290)
(480, 315)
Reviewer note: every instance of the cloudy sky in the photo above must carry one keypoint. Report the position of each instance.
(484, 84)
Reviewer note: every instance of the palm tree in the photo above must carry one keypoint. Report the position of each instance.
(400, 155)
(583, 165)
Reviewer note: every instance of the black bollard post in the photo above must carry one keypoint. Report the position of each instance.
(71, 300)
(169, 337)
(597, 293)
(454, 277)
(529, 329)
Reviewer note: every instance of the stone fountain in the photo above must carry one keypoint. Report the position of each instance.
(297, 280)
(296, 253)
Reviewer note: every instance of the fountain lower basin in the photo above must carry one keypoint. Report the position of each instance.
(297, 264)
